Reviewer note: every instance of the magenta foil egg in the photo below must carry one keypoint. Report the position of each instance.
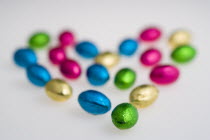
(150, 57)
(164, 74)
(66, 38)
(57, 55)
(150, 34)
(70, 69)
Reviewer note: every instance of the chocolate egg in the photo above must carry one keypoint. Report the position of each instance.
(58, 90)
(66, 38)
(94, 102)
(57, 55)
(164, 74)
(125, 78)
(87, 49)
(25, 57)
(150, 57)
(150, 34)
(97, 75)
(143, 96)
(39, 40)
(70, 69)
(107, 59)
(128, 47)
(179, 37)
(124, 116)
(38, 75)
(183, 54)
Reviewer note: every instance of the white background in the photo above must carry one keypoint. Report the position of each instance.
(182, 111)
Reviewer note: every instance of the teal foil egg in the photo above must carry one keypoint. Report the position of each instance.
(97, 75)
(38, 75)
(87, 49)
(128, 47)
(94, 102)
(24, 57)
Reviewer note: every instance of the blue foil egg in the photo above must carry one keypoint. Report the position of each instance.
(24, 57)
(87, 49)
(38, 75)
(97, 75)
(94, 102)
(128, 47)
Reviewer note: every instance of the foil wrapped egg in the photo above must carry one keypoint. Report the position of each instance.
(183, 54)
(164, 74)
(124, 116)
(87, 49)
(178, 38)
(125, 78)
(107, 59)
(58, 90)
(57, 55)
(94, 102)
(66, 38)
(128, 47)
(25, 57)
(38, 75)
(70, 69)
(97, 75)
(150, 34)
(150, 57)
(39, 40)
(143, 96)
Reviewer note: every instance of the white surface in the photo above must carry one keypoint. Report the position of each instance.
(182, 109)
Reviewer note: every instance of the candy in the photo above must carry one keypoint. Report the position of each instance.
(39, 40)
(38, 75)
(58, 90)
(24, 57)
(87, 49)
(124, 116)
(180, 37)
(94, 102)
(128, 47)
(164, 74)
(125, 78)
(183, 54)
(57, 55)
(150, 57)
(66, 38)
(143, 96)
(107, 59)
(70, 69)
(150, 34)
(97, 75)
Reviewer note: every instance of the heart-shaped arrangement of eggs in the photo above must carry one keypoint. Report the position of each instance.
(125, 115)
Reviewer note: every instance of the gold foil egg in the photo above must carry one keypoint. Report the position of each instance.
(58, 90)
(143, 96)
(107, 59)
(178, 38)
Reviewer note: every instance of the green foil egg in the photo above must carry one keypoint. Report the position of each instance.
(124, 116)
(39, 40)
(183, 54)
(125, 78)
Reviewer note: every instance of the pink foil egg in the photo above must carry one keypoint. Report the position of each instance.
(57, 55)
(150, 34)
(70, 69)
(150, 57)
(164, 74)
(66, 38)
